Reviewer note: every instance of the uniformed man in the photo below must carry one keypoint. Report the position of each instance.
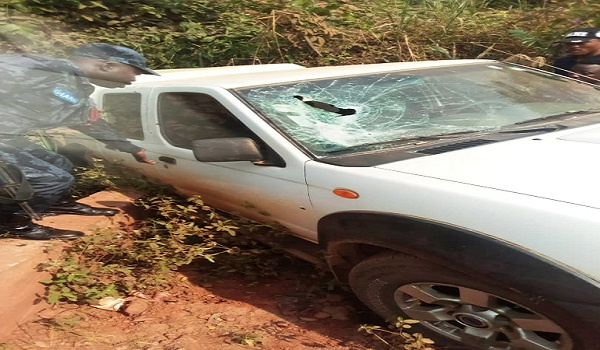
(40, 92)
(587, 69)
(580, 44)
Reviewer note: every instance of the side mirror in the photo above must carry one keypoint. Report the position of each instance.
(230, 149)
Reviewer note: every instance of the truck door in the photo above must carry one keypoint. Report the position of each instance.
(272, 191)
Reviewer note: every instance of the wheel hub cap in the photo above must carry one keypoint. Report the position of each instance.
(471, 320)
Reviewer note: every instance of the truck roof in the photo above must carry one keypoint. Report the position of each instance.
(231, 77)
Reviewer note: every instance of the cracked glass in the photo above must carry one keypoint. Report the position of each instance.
(376, 111)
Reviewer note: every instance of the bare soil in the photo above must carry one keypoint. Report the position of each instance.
(215, 313)
(214, 306)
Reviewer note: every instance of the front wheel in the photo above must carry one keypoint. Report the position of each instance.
(456, 309)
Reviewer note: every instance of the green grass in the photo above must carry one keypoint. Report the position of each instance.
(174, 33)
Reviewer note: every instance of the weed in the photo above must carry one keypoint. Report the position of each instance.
(96, 176)
(117, 262)
(178, 231)
(408, 341)
(248, 339)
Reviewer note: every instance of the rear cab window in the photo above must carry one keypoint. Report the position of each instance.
(124, 113)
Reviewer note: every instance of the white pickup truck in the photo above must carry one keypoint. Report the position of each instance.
(463, 194)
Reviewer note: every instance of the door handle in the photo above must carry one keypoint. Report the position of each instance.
(167, 160)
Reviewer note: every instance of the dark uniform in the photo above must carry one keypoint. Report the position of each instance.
(564, 65)
(39, 92)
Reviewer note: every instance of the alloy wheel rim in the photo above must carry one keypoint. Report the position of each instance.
(480, 319)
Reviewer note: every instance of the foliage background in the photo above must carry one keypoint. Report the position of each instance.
(201, 33)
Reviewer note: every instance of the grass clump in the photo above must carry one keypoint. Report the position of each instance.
(145, 256)
(114, 262)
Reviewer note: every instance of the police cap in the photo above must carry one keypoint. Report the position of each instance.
(114, 53)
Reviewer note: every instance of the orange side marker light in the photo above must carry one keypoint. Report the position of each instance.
(345, 193)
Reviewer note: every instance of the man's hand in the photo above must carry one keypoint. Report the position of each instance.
(141, 157)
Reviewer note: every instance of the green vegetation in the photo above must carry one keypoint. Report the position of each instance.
(143, 258)
(197, 33)
(400, 331)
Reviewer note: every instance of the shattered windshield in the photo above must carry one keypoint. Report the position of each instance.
(378, 110)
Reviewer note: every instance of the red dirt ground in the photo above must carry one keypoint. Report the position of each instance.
(209, 310)
(209, 314)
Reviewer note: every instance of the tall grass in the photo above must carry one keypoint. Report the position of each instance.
(192, 33)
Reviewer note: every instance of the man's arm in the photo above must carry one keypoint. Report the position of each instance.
(103, 132)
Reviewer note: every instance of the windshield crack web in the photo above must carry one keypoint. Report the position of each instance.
(386, 107)
(376, 111)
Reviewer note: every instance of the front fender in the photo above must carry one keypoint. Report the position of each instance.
(347, 237)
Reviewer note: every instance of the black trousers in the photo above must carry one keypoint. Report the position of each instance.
(48, 173)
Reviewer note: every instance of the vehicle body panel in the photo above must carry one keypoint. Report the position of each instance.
(547, 166)
(526, 222)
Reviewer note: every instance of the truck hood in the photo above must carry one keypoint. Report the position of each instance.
(562, 166)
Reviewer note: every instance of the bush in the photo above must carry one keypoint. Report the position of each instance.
(198, 33)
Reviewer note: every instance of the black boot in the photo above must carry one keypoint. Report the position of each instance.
(72, 207)
(25, 229)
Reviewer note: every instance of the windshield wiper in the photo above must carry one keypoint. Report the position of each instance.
(326, 106)
(406, 141)
(549, 128)
(557, 116)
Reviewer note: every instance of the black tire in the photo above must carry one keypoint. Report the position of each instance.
(460, 312)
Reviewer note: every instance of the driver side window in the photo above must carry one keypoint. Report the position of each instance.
(185, 117)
